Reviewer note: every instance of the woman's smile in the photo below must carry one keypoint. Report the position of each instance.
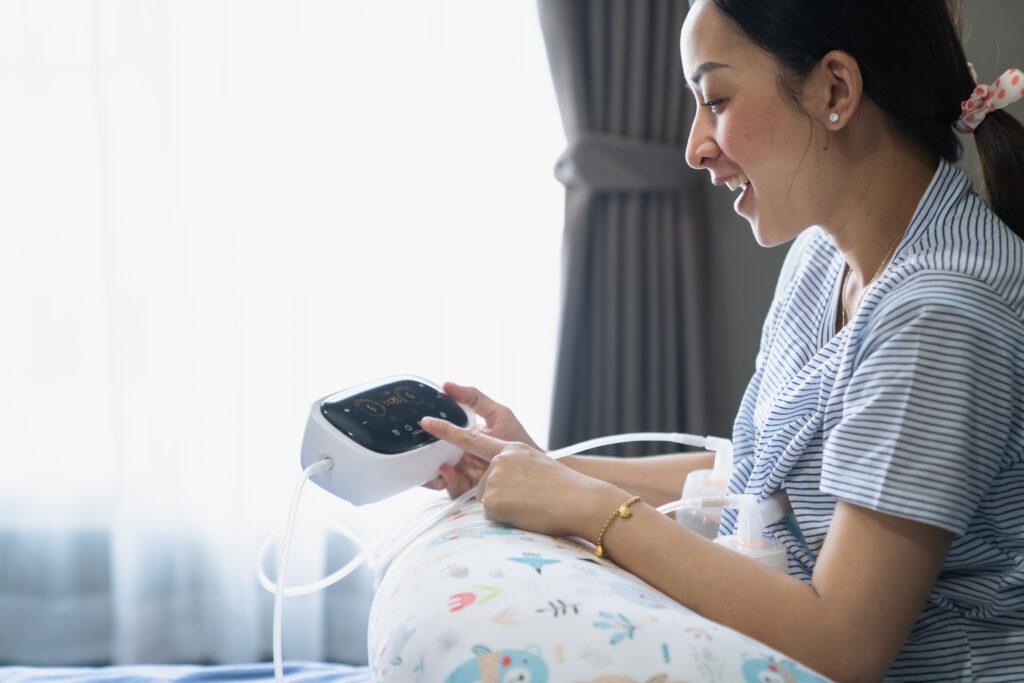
(744, 201)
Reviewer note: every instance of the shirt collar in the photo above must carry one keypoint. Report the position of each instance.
(947, 185)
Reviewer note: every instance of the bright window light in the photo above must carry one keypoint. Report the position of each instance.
(216, 212)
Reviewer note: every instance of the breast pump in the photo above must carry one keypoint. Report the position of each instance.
(364, 444)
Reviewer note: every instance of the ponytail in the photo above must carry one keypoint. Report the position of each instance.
(1000, 141)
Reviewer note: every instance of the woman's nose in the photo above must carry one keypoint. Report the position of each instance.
(700, 147)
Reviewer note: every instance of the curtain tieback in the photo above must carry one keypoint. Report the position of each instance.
(599, 162)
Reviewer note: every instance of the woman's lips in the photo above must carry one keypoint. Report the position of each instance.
(743, 199)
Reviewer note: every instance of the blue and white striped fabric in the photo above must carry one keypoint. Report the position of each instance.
(914, 409)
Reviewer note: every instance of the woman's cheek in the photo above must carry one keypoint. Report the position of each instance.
(745, 143)
(731, 138)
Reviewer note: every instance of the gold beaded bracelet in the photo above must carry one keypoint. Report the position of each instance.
(623, 512)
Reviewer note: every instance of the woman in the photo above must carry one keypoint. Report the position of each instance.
(888, 397)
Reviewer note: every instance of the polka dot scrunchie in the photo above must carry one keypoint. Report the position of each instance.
(1006, 90)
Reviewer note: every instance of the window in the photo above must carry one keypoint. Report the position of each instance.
(216, 212)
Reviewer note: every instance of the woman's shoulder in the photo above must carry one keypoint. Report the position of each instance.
(967, 255)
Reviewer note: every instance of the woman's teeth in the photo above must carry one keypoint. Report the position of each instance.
(736, 181)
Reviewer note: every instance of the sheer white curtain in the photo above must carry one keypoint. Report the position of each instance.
(212, 213)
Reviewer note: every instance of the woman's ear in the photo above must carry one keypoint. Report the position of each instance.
(841, 89)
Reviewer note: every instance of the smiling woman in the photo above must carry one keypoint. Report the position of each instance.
(886, 405)
(900, 299)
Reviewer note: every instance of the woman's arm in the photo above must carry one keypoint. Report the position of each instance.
(871, 581)
(658, 479)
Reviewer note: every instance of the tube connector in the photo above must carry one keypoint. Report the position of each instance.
(722, 470)
(735, 501)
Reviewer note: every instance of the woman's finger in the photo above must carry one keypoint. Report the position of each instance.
(447, 476)
(437, 483)
(456, 482)
(473, 468)
(471, 464)
(481, 404)
(470, 440)
(482, 483)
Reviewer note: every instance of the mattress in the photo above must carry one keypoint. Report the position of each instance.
(238, 673)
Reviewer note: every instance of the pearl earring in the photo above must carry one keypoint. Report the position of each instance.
(833, 117)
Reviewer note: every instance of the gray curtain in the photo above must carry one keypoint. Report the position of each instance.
(631, 353)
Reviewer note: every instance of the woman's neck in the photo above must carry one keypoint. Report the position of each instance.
(880, 189)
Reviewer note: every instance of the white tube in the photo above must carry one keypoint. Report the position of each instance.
(395, 548)
(384, 558)
(324, 463)
(737, 501)
(364, 556)
(723, 456)
(673, 437)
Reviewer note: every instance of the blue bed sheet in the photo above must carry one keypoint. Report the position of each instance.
(237, 673)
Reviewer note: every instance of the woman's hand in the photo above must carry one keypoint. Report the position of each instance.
(501, 423)
(526, 488)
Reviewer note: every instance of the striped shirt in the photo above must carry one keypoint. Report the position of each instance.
(913, 409)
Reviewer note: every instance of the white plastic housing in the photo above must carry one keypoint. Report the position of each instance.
(361, 475)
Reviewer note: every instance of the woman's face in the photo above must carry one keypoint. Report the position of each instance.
(744, 129)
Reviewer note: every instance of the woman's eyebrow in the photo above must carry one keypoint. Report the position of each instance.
(703, 69)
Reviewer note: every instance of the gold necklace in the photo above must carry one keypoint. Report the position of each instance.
(846, 273)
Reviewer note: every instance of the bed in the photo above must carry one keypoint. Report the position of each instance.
(240, 673)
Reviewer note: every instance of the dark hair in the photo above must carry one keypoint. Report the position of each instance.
(913, 67)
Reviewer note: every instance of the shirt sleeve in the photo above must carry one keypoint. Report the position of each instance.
(927, 412)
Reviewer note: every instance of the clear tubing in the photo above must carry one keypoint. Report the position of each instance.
(735, 501)
(385, 558)
(395, 548)
(409, 552)
(322, 464)
(292, 591)
(684, 439)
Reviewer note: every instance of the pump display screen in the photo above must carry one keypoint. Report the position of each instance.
(386, 419)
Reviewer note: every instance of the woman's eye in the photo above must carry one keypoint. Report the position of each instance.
(713, 105)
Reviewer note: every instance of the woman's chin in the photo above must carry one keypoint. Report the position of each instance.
(768, 235)
(763, 237)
